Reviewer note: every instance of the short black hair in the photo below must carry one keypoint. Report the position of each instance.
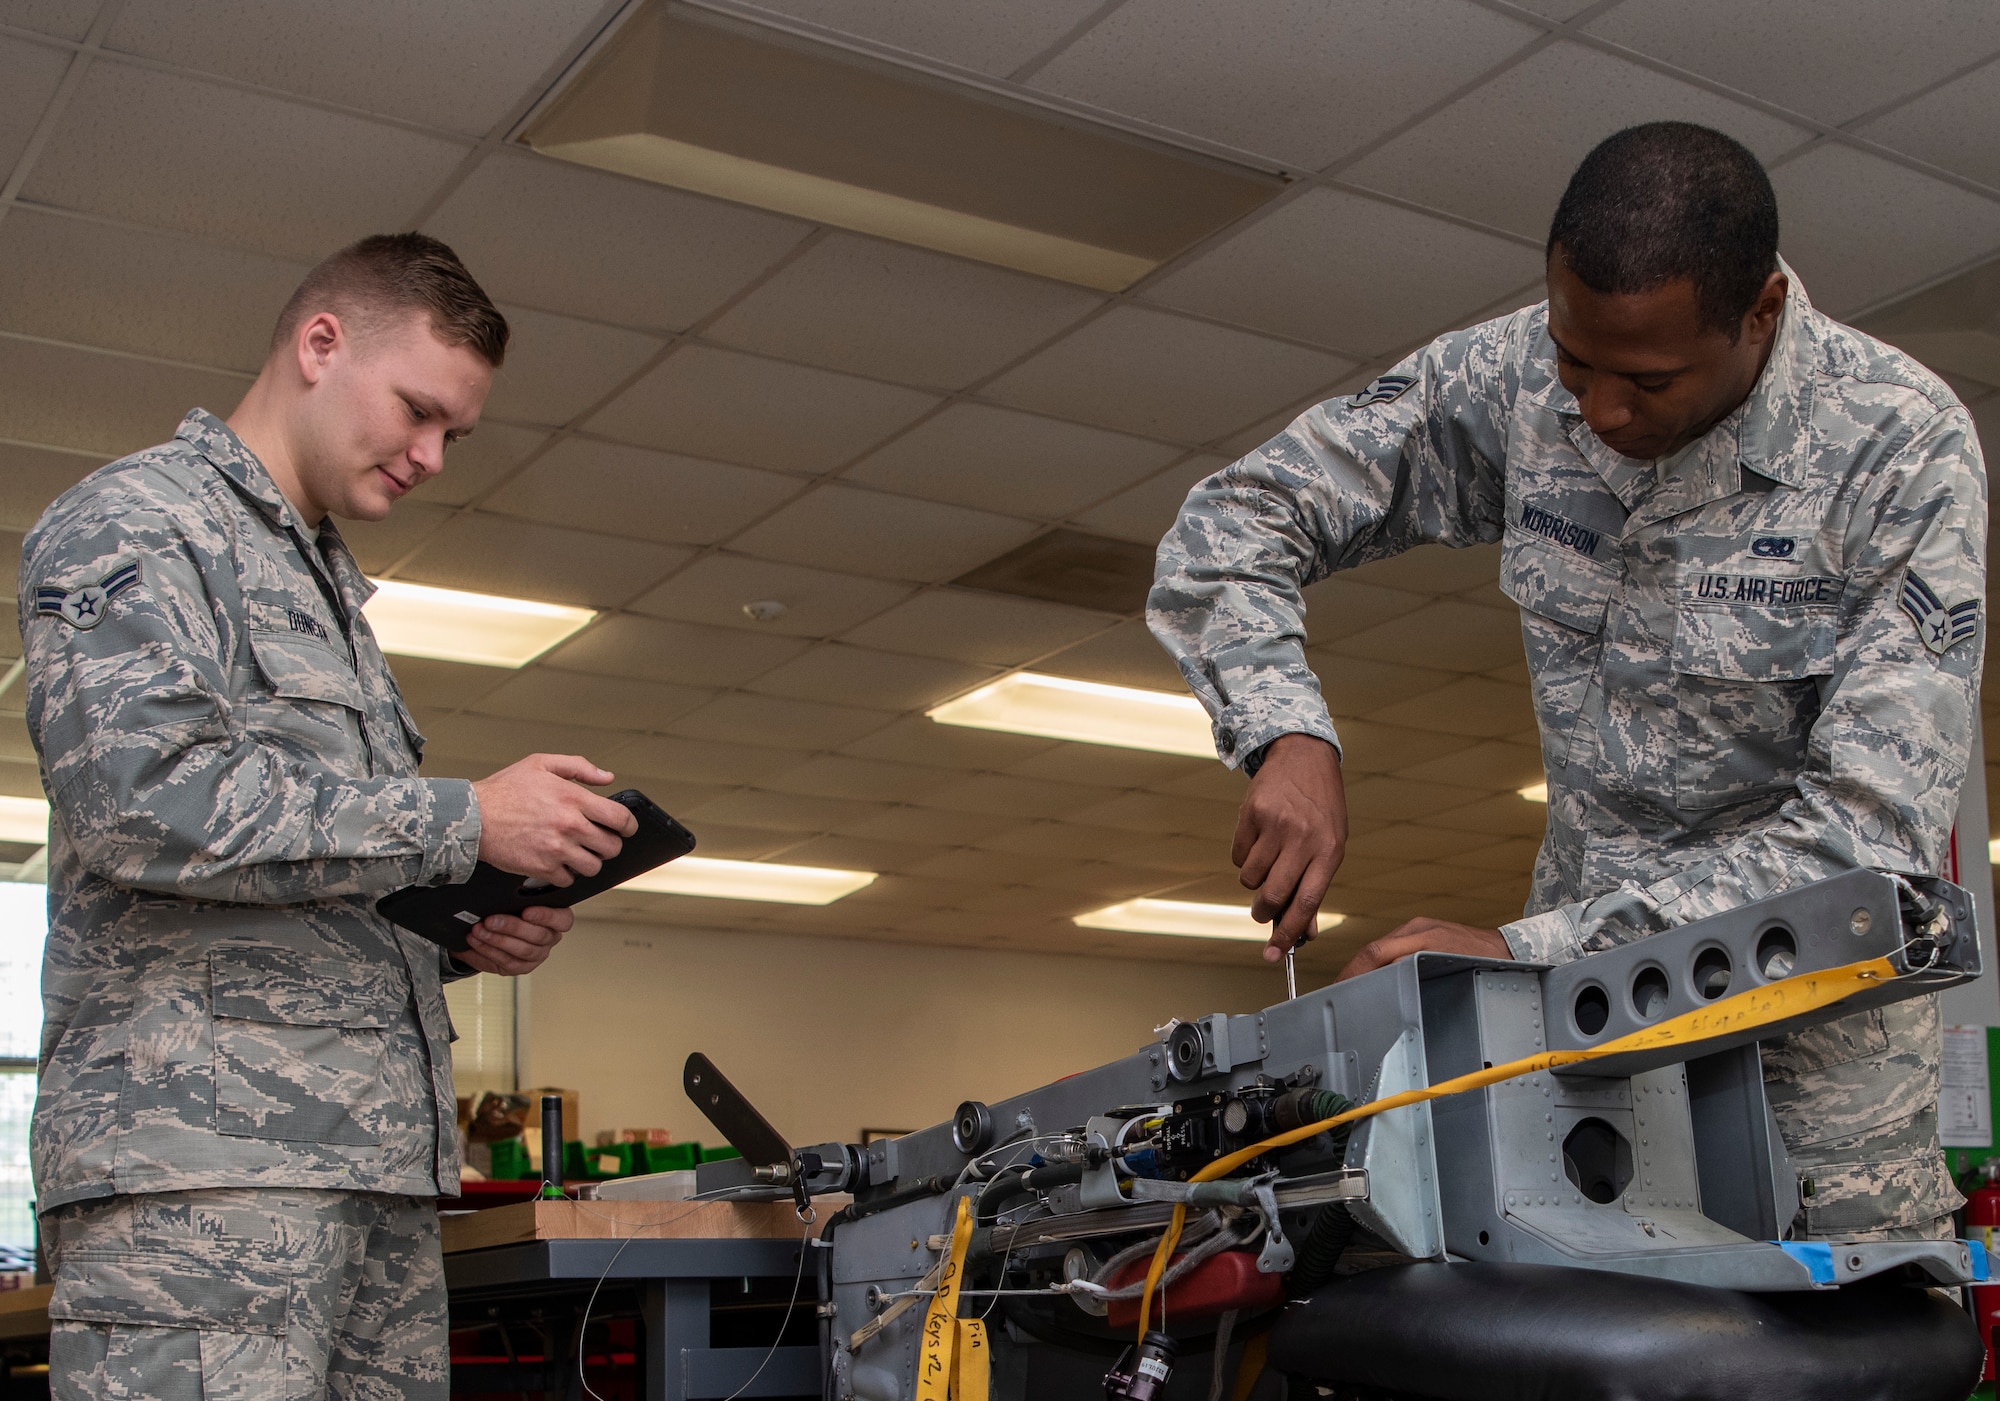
(388, 273)
(1667, 200)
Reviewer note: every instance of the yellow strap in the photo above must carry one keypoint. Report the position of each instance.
(941, 1333)
(1250, 1370)
(974, 1362)
(1807, 992)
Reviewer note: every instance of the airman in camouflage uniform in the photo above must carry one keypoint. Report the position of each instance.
(1754, 664)
(233, 779)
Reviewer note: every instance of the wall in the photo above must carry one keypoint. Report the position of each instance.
(830, 1036)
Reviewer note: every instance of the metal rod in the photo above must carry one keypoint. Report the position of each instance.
(1291, 976)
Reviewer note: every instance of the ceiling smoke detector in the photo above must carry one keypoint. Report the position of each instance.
(765, 610)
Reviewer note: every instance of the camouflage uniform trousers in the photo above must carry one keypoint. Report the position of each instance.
(249, 1294)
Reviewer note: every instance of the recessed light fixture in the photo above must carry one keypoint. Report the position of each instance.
(751, 880)
(1535, 792)
(1057, 707)
(447, 625)
(24, 820)
(744, 112)
(1187, 918)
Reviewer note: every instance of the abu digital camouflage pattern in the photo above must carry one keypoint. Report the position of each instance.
(1734, 693)
(233, 783)
(257, 1292)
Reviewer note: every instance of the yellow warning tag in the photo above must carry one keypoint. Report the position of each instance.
(973, 1364)
(941, 1332)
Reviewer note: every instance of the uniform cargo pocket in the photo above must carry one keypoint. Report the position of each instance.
(1556, 584)
(1746, 686)
(163, 1292)
(301, 1045)
(310, 704)
(1564, 598)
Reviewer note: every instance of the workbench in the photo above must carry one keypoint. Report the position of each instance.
(711, 1285)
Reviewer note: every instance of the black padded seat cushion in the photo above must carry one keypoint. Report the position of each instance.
(1501, 1332)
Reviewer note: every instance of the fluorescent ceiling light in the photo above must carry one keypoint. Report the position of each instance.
(751, 880)
(1993, 851)
(24, 820)
(1185, 917)
(1056, 707)
(416, 620)
(1535, 792)
(723, 107)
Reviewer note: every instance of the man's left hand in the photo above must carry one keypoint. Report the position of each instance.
(512, 946)
(1423, 934)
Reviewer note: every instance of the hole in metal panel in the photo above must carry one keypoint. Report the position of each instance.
(1650, 991)
(1777, 953)
(1711, 973)
(1598, 1161)
(1592, 1009)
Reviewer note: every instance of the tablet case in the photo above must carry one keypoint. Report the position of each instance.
(445, 914)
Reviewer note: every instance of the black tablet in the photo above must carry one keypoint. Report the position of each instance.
(445, 914)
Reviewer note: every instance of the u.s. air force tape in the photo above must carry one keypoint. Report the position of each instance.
(84, 606)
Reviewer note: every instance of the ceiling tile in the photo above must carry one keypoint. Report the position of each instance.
(1109, 766)
(29, 75)
(491, 554)
(1209, 779)
(895, 312)
(1956, 126)
(478, 460)
(1830, 59)
(377, 545)
(1859, 228)
(152, 294)
(970, 626)
(1262, 86)
(1156, 812)
(930, 824)
(991, 39)
(1359, 686)
(839, 776)
(434, 685)
(859, 854)
(377, 55)
(10, 572)
(1056, 840)
(30, 478)
(1432, 569)
(1370, 747)
(1001, 796)
(717, 403)
(101, 403)
(1506, 815)
(1128, 655)
(867, 532)
(1146, 372)
(715, 588)
(781, 812)
(1002, 460)
(566, 238)
(1184, 856)
(744, 718)
(687, 653)
(1458, 636)
(1404, 841)
(1493, 765)
(700, 761)
(499, 741)
(1515, 856)
(1145, 512)
(1502, 154)
(539, 693)
(557, 366)
(1381, 799)
(919, 740)
(857, 676)
(1429, 878)
(1472, 705)
(1315, 270)
(66, 19)
(635, 491)
(248, 169)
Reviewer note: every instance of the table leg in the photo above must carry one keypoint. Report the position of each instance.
(675, 1316)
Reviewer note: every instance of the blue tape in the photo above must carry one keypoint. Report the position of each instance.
(1815, 1255)
(1979, 1263)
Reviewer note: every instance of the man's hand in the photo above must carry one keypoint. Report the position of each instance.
(1421, 934)
(510, 947)
(1290, 837)
(535, 819)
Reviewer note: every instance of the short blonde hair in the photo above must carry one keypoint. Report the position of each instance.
(366, 282)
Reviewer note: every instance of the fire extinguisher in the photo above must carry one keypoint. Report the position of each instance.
(1982, 1223)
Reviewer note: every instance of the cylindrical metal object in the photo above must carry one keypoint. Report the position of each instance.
(552, 1146)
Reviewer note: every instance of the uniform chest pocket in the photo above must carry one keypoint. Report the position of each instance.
(1746, 685)
(1563, 597)
(309, 702)
(302, 1045)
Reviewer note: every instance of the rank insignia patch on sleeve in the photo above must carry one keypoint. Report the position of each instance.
(83, 607)
(1941, 628)
(1382, 390)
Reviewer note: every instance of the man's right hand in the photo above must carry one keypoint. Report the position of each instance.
(1290, 836)
(535, 818)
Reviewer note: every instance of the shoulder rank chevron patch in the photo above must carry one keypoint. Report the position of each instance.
(1381, 390)
(84, 607)
(1941, 628)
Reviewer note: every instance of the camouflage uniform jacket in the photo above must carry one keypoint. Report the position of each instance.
(1753, 665)
(233, 783)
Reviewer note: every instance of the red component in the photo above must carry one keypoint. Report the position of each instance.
(1218, 1284)
(1982, 1223)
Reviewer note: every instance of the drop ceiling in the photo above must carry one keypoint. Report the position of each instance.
(711, 404)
